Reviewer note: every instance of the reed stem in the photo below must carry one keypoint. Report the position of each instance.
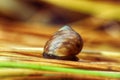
(37, 50)
(59, 69)
(103, 10)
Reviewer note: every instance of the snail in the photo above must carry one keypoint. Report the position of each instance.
(65, 44)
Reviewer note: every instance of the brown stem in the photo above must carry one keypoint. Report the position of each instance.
(107, 66)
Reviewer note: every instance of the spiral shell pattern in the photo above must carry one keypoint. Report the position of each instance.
(63, 44)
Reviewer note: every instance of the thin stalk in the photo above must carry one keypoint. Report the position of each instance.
(85, 54)
(10, 72)
(90, 65)
(57, 77)
(59, 69)
(38, 50)
(103, 10)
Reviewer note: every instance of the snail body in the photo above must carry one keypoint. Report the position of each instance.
(64, 44)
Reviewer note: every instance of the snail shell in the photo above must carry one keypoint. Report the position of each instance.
(64, 44)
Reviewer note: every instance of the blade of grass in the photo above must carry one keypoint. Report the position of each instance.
(90, 65)
(59, 69)
(104, 10)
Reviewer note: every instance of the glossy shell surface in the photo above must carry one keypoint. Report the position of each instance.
(64, 43)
